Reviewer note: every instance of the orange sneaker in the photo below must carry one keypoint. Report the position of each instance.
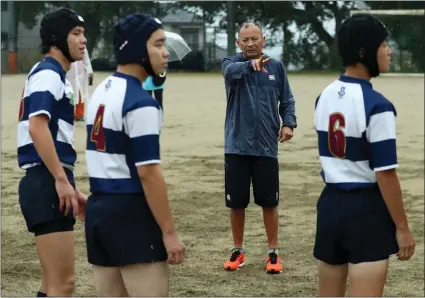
(273, 264)
(237, 260)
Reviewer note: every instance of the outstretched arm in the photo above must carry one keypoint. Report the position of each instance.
(235, 70)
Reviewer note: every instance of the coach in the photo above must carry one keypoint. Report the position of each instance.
(257, 92)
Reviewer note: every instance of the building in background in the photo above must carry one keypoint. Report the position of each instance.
(202, 40)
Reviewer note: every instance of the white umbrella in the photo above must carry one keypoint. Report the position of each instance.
(176, 46)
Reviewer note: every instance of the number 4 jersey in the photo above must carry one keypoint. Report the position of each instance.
(356, 133)
(123, 127)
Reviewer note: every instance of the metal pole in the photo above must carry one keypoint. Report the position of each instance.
(13, 37)
(231, 47)
(205, 38)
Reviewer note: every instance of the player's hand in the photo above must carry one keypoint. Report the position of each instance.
(258, 64)
(406, 244)
(67, 196)
(82, 203)
(286, 133)
(175, 248)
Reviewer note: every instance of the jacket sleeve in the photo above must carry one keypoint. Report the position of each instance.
(235, 70)
(287, 103)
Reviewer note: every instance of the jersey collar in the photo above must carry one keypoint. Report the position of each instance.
(348, 79)
(127, 77)
(246, 59)
(56, 63)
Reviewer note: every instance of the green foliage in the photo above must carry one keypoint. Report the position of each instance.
(408, 32)
(210, 8)
(313, 47)
(28, 11)
(100, 17)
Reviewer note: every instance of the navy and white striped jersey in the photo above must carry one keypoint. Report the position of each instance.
(356, 128)
(47, 92)
(123, 127)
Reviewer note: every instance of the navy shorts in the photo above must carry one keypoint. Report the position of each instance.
(240, 170)
(121, 230)
(353, 227)
(39, 202)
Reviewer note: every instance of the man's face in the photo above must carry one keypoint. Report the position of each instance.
(158, 54)
(77, 43)
(251, 41)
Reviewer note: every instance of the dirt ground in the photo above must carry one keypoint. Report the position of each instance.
(192, 154)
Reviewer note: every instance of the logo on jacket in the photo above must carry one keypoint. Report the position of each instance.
(272, 78)
(108, 85)
(341, 92)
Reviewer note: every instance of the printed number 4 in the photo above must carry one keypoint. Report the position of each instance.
(97, 134)
(336, 138)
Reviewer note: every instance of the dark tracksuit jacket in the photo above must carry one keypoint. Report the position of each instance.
(257, 102)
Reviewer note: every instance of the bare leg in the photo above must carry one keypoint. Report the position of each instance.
(332, 280)
(368, 279)
(150, 279)
(271, 223)
(56, 253)
(108, 282)
(237, 220)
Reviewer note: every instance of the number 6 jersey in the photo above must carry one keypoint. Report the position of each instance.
(356, 133)
(123, 127)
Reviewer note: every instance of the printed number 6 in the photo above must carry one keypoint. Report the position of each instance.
(97, 134)
(336, 138)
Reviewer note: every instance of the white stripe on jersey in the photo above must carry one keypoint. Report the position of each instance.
(65, 132)
(45, 80)
(394, 166)
(365, 113)
(43, 89)
(112, 120)
(24, 137)
(352, 108)
(148, 162)
(131, 124)
(107, 166)
(381, 127)
(40, 112)
(144, 121)
(347, 171)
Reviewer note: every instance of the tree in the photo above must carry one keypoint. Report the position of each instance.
(408, 32)
(100, 17)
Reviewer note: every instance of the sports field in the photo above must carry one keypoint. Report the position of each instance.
(192, 160)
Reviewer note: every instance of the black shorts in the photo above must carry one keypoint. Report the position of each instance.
(39, 202)
(264, 173)
(353, 227)
(121, 230)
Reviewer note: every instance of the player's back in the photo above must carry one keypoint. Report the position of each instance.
(120, 134)
(351, 123)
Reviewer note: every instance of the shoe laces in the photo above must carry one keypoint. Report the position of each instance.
(235, 255)
(273, 258)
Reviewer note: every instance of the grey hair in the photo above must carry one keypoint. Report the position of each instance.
(249, 24)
